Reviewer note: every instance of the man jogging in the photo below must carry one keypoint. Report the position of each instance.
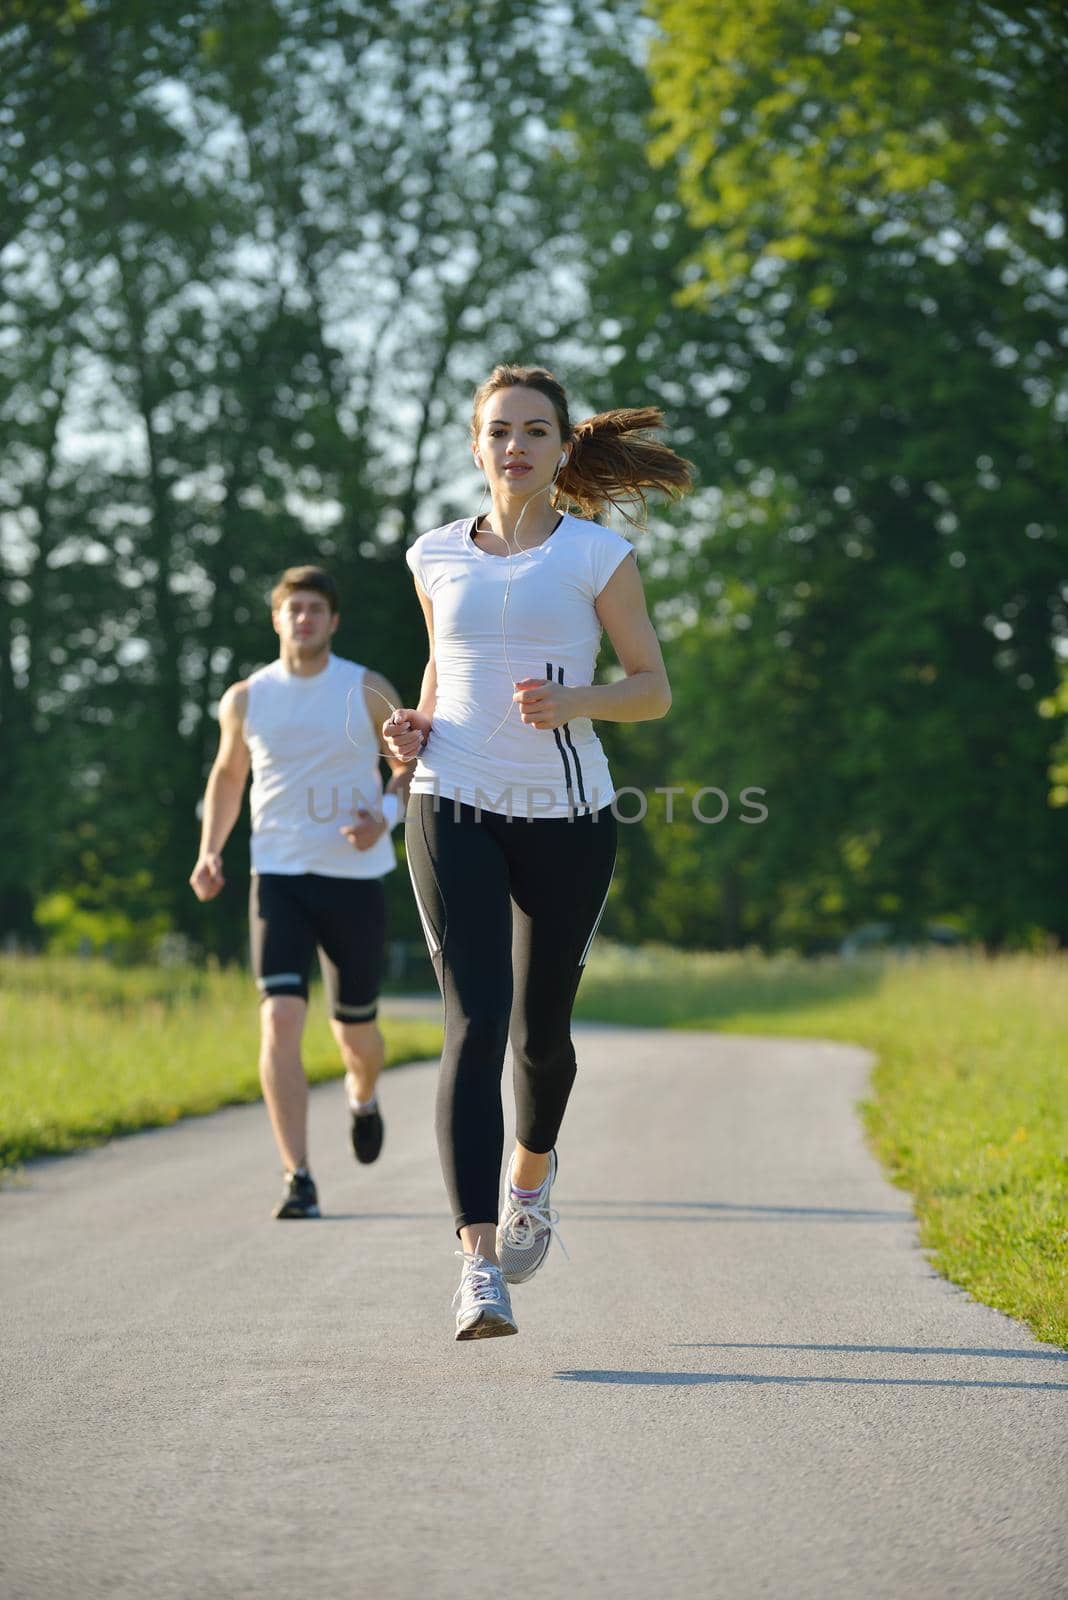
(308, 727)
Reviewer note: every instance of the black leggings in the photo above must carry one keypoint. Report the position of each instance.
(509, 909)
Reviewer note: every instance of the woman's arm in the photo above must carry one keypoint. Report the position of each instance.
(406, 732)
(644, 693)
(428, 692)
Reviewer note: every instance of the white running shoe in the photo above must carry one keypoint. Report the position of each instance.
(485, 1309)
(526, 1228)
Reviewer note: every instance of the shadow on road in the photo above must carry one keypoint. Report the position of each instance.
(684, 1379)
(727, 1210)
(892, 1350)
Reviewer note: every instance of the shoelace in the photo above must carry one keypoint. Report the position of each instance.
(477, 1280)
(520, 1226)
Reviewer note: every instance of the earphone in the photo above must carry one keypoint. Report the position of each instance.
(356, 743)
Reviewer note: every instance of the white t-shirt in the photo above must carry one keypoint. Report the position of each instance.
(480, 751)
(315, 759)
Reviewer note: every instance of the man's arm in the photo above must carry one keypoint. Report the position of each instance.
(378, 696)
(378, 691)
(224, 793)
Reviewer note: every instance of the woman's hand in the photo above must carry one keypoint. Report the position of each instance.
(544, 704)
(406, 733)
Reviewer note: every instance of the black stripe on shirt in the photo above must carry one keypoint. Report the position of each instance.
(571, 747)
(571, 806)
(560, 747)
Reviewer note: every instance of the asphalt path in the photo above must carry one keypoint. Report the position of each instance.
(747, 1382)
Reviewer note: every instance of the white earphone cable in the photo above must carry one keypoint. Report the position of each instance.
(549, 487)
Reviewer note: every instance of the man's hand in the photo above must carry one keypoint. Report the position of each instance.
(206, 878)
(367, 829)
(544, 704)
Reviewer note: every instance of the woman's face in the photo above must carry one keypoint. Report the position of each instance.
(518, 445)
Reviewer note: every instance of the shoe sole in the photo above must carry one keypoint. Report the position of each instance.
(487, 1328)
(297, 1216)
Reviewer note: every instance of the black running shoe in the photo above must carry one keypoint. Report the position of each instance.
(367, 1135)
(300, 1198)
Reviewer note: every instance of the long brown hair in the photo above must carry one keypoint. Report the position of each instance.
(612, 462)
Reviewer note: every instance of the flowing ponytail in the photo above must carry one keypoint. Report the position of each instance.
(612, 461)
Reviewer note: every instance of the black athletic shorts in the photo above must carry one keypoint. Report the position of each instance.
(289, 915)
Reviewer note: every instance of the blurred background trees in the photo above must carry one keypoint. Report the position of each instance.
(255, 260)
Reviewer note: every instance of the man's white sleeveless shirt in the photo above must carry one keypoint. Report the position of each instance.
(309, 774)
(550, 630)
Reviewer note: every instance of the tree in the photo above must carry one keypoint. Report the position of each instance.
(267, 253)
(864, 351)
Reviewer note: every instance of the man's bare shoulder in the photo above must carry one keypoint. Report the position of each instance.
(380, 696)
(233, 707)
(375, 680)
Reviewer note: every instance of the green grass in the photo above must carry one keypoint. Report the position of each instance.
(968, 1110)
(91, 1051)
(969, 1105)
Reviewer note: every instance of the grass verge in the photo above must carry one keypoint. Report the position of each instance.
(969, 1103)
(92, 1051)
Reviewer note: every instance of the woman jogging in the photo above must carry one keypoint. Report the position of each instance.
(510, 835)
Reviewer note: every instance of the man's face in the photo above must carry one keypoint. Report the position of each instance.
(305, 623)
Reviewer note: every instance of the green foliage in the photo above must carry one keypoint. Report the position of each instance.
(794, 125)
(73, 928)
(256, 260)
(863, 608)
(1056, 706)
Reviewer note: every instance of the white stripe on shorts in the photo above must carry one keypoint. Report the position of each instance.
(354, 1013)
